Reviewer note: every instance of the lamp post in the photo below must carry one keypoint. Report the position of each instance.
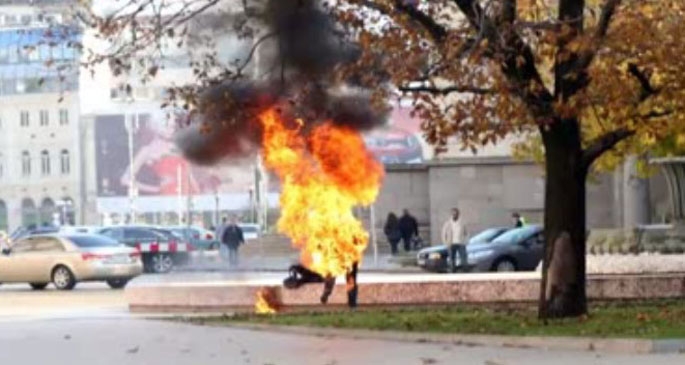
(131, 126)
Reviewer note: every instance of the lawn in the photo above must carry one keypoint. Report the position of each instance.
(657, 320)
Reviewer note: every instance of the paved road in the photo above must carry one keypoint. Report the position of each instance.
(102, 341)
(88, 300)
(91, 326)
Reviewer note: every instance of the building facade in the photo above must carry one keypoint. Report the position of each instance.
(39, 115)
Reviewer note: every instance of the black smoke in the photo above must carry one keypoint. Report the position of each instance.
(306, 47)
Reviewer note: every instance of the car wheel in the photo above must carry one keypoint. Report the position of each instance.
(117, 283)
(38, 286)
(161, 263)
(63, 279)
(504, 265)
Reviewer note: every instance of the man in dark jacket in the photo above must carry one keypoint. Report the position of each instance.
(409, 229)
(232, 237)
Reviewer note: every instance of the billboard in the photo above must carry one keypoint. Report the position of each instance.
(161, 177)
(400, 140)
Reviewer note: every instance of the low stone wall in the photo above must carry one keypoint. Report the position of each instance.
(217, 293)
(617, 241)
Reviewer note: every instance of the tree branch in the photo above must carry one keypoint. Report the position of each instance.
(437, 31)
(519, 61)
(608, 11)
(604, 143)
(647, 89)
(446, 90)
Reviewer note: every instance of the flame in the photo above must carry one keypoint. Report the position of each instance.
(264, 305)
(324, 173)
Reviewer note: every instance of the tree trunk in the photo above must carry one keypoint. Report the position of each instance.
(562, 292)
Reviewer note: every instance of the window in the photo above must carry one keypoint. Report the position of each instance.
(10, 20)
(45, 162)
(25, 245)
(25, 19)
(45, 244)
(114, 233)
(25, 163)
(63, 117)
(24, 118)
(139, 234)
(93, 241)
(65, 164)
(44, 118)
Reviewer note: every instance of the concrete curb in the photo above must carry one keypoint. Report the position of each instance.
(624, 346)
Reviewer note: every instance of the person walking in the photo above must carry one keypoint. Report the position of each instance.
(409, 229)
(392, 232)
(518, 220)
(232, 237)
(218, 237)
(454, 236)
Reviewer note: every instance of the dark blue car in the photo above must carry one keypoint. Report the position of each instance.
(518, 249)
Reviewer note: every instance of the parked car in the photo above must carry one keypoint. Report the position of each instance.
(161, 250)
(79, 229)
(519, 249)
(250, 231)
(200, 238)
(437, 258)
(23, 232)
(65, 260)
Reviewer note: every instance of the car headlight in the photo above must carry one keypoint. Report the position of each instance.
(434, 256)
(478, 255)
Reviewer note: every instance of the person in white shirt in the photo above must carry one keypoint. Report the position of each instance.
(454, 236)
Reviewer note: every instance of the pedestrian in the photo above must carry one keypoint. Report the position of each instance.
(232, 237)
(409, 229)
(392, 232)
(518, 220)
(5, 245)
(454, 236)
(218, 237)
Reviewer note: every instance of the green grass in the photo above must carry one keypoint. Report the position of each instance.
(655, 320)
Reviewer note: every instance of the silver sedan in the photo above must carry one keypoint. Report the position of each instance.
(67, 260)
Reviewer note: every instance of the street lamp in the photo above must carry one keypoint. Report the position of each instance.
(131, 126)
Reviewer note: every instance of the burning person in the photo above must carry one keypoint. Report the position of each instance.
(300, 275)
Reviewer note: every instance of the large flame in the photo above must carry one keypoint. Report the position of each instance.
(324, 173)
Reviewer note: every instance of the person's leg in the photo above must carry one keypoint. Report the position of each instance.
(453, 258)
(393, 246)
(223, 251)
(352, 287)
(328, 285)
(463, 257)
(406, 240)
(232, 256)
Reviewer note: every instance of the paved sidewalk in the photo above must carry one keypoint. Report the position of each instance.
(133, 342)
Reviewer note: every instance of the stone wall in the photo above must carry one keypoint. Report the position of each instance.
(486, 190)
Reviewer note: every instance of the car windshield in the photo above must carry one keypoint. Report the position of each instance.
(166, 234)
(516, 235)
(487, 235)
(92, 241)
(179, 232)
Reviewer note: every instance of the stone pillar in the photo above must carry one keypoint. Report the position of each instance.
(635, 195)
(674, 171)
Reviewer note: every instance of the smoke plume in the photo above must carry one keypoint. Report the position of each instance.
(306, 47)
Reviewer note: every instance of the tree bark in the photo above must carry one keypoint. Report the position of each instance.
(562, 292)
